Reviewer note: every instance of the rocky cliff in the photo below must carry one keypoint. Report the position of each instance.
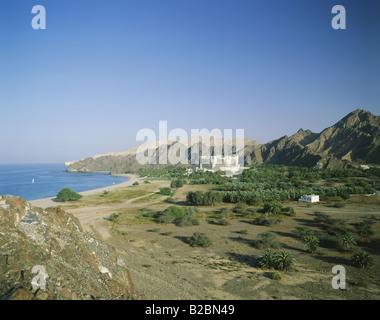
(45, 254)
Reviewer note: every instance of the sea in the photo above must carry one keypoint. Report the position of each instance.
(36, 181)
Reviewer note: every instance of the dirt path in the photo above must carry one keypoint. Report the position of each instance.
(96, 219)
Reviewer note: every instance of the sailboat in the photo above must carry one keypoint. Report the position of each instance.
(33, 180)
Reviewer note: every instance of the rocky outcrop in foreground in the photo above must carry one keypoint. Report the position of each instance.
(45, 254)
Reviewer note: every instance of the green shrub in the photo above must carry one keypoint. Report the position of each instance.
(223, 222)
(114, 217)
(250, 211)
(347, 242)
(66, 194)
(276, 276)
(312, 242)
(272, 207)
(338, 227)
(291, 211)
(172, 214)
(301, 232)
(166, 191)
(240, 208)
(267, 260)
(323, 218)
(339, 204)
(191, 210)
(201, 198)
(364, 229)
(284, 261)
(362, 259)
(135, 183)
(165, 218)
(262, 221)
(177, 184)
(225, 212)
(199, 239)
(189, 220)
(267, 240)
(170, 200)
(151, 214)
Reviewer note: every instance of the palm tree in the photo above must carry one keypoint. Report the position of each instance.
(268, 260)
(347, 241)
(284, 261)
(312, 242)
(362, 259)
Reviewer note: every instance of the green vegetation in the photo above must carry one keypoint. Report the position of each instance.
(364, 229)
(114, 217)
(203, 198)
(166, 191)
(348, 241)
(276, 276)
(284, 261)
(273, 183)
(223, 222)
(281, 261)
(178, 183)
(171, 214)
(180, 216)
(267, 240)
(272, 207)
(66, 194)
(362, 259)
(268, 260)
(189, 220)
(262, 221)
(167, 172)
(312, 242)
(302, 232)
(282, 183)
(135, 183)
(199, 239)
(225, 212)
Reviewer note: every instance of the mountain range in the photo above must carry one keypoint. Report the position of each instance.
(353, 140)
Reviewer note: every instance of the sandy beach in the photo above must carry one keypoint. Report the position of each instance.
(49, 202)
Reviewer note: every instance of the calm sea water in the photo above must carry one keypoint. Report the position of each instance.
(49, 179)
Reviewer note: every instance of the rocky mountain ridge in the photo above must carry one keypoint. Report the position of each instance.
(352, 141)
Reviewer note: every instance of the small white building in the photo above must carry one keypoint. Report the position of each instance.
(309, 198)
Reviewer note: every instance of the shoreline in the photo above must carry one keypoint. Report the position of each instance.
(49, 202)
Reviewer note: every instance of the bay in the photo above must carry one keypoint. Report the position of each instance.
(36, 181)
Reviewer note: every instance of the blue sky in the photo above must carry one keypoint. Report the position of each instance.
(102, 70)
